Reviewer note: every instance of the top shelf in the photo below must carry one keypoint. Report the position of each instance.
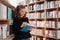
(37, 2)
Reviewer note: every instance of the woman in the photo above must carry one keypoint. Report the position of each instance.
(19, 21)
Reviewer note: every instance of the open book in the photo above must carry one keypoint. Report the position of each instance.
(25, 29)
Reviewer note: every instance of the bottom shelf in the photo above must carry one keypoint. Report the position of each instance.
(46, 38)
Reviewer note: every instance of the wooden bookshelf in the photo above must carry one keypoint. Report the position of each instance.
(40, 19)
(39, 27)
(52, 19)
(3, 21)
(50, 8)
(33, 11)
(37, 35)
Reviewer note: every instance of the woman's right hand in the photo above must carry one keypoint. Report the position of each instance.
(24, 24)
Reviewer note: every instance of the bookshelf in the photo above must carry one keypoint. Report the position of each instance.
(3, 26)
(44, 15)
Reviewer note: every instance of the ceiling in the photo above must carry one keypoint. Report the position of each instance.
(15, 2)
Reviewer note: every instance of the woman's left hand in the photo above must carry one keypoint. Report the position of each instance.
(30, 29)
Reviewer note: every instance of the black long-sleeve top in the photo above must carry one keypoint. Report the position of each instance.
(17, 22)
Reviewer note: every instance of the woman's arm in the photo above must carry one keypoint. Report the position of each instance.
(7, 4)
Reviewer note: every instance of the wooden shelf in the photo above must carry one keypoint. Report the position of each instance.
(52, 19)
(37, 35)
(31, 19)
(3, 21)
(39, 27)
(39, 19)
(40, 2)
(42, 19)
(51, 9)
(51, 28)
(58, 19)
(58, 28)
(33, 11)
(51, 37)
(58, 8)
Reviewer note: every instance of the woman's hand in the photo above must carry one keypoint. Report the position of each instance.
(24, 24)
(30, 29)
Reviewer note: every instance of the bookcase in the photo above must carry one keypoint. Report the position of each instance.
(44, 16)
(3, 25)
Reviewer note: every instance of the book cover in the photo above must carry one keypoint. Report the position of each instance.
(25, 29)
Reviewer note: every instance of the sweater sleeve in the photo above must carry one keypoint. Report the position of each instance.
(27, 20)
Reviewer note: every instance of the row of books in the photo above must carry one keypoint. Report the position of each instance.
(46, 5)
(53, 34)
(35, 7)
(36, 15)
(51, 14)
(51, 4)
(38, 6)
(47, 24)
(48, 33)
(37, 32)
(40, 38)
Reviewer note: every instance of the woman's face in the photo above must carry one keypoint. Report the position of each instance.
(22, 12)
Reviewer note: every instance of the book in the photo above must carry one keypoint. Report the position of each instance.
(58, 24)
(46, 33)
(33, 31)
(58, 14)
(25, 28)
(58, 34)
(58, 3)
(32, 23)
